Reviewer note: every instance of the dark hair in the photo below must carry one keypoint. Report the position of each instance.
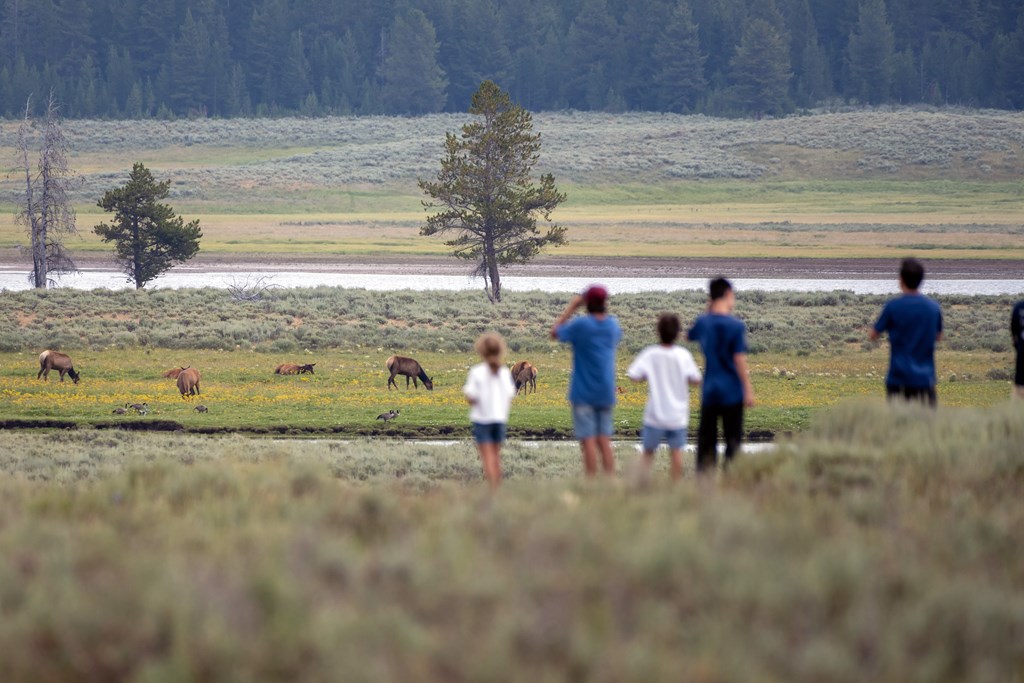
(718, 288)
(668, 327)
(911, 273)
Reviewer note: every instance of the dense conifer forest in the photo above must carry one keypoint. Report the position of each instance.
(225, 58)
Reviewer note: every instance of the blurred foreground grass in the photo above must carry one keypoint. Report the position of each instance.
(882, 544)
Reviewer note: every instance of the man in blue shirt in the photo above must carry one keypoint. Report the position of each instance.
(592, 386)
(727, 388)
(914, 324)
(1017, 330)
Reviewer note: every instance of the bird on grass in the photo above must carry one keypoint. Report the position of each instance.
(200, 408)
(119, 411)
(140, 408)
(390, 415)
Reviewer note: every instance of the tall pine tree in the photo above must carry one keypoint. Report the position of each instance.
(680, 80)
(869, 54)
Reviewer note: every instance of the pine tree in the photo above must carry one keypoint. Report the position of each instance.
(484, 191)
(680, 81)
(760, 70)
(149, 239)
(476, 50)
(295, 73)
(869, 54)
(593, 55)
(412, 81)
(190, 57)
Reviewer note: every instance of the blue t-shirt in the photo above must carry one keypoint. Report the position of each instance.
(593, 358)
(914, 323)
(720, 337)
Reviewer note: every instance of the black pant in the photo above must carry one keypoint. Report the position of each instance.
(925, 395)
(707, 433)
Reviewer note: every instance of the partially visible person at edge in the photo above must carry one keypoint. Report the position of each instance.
(669, 371)
(914, 324)
(593, 337)
(1017, 330)
(727, 388)
(489, 390)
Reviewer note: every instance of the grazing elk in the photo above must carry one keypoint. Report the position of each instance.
(525, 375)
(174, 372)
(188, 382)
(54, 360)
(400, 365)
(294, 369)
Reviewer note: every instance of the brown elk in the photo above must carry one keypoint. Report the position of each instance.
(294, 369)
(54, 360)
(188, 382)
(525, 376)
(174, 372)
(400, 365)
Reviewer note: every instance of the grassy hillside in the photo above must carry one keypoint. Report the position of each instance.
(863, 183)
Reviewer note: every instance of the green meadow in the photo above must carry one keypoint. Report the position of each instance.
(808, 352)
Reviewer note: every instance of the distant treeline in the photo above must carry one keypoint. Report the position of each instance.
(141, 58)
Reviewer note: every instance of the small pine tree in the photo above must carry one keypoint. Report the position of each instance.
(148, 237)
(484, 191)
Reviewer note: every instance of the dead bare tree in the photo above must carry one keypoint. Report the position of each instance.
(46, 210)
(251, 288)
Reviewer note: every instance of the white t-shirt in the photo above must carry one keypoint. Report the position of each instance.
(668, 370)
(492, 392)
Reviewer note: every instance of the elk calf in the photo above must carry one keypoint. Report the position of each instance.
(294, 369)
(525, 375)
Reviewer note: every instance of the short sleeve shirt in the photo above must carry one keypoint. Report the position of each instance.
(721, 337)
(913, 323)
(492, 393)
(668, 371)
(593, 343)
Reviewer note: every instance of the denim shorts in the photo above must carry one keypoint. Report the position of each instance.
(492, 432)
(653, 437)
(590, 421)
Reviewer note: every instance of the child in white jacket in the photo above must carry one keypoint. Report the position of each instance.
(489, 390)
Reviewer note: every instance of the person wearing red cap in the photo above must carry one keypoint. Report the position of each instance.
(594, 338)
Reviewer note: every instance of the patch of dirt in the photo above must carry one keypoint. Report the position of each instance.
(25, 319)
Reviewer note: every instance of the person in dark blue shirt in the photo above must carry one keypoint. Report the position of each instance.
(914, 324)
(594, 338)
(1017, 330)
(727, 388)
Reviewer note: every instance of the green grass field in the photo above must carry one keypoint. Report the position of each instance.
(348, 392)
(808, 351)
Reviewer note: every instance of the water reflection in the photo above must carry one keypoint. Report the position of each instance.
(99, 279)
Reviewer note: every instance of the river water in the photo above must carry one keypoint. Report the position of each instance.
(11, 279)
